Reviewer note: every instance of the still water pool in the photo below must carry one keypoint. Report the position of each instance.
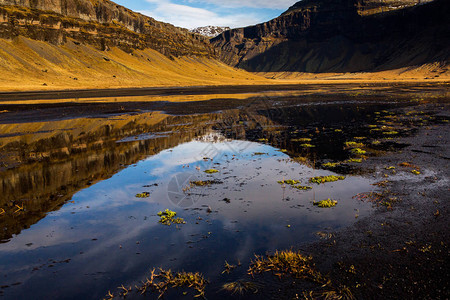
(82, 231)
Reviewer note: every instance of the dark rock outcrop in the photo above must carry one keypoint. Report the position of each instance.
(342, 36)
(102, 23)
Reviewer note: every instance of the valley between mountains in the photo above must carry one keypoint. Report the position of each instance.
(51, 45)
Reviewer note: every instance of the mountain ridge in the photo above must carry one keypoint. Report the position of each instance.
(101, 23)
(340, 36)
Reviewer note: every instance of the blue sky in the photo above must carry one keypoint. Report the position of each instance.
(195, 13)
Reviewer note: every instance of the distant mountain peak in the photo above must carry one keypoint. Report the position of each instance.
(210, 31)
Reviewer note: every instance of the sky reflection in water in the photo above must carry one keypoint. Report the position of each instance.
(106, 236)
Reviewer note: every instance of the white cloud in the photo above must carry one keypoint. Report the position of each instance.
(273, 4)
(191, 17)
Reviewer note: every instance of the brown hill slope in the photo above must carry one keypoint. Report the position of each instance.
(101, 23)
(27, 64)
(58, 44)
(342, 36)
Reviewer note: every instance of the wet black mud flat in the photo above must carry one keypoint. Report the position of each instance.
(257, 198)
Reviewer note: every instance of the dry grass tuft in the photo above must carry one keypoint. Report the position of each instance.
(164, 280)
(284, 263)
(240, 287)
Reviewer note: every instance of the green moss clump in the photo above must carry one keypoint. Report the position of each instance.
(143, 195)
(204, 182)
(358, 151)
(307, 146)
(211, 171)
(354, 160)
(325, 203)
(301, 140)
(289, 182)
(353, 145)
(390, 132)
(302, 187)
(200, 183)
(323, 179)
(168, 218)
(331, 165)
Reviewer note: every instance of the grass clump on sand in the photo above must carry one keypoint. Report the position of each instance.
(143, 195)
(168, 218)
(211, 171)
(323, 179)
(325, 203)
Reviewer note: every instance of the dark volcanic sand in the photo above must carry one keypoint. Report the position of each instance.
(332, 88)
(400, 253)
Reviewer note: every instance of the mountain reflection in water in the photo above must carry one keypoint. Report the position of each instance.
(77, 178)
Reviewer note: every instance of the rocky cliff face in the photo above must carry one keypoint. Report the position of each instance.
(342, 36)
(98, 22)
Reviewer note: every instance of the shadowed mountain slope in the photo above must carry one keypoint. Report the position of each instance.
(342, 36)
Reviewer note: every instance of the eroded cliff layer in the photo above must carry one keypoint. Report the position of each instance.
(342, 36)
(101, 23)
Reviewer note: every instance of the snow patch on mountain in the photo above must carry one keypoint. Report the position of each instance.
(210, 31)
